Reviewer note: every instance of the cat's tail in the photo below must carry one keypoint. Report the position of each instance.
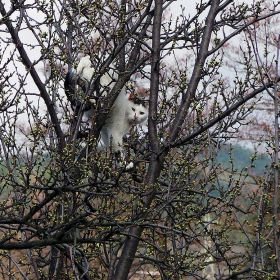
(70, 85)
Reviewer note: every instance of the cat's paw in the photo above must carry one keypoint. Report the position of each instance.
(126, 166)
(129, 166)
(92, 102)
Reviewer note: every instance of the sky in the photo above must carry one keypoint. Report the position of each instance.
(175, 9)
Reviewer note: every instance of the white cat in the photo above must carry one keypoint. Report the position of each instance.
(125, 112)
(85, 72)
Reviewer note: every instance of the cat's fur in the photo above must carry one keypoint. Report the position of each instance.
(122, 117)
(85, 72)
(126, 111)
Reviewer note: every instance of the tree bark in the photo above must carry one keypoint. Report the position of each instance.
(132, 241)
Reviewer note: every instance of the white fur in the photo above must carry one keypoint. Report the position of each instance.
(123, 115)
(84, 70)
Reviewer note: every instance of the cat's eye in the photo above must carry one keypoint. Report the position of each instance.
(133, 109)
(142, 113)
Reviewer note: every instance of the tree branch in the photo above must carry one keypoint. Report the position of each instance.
(44, 94)
(197, 71)
(223, 115)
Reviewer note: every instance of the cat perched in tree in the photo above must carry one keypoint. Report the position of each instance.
(125, 112)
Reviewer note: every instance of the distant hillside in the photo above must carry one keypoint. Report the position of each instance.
(241, 158)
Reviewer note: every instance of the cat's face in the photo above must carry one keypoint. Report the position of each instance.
(137, 113)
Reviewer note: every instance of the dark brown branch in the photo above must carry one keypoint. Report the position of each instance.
(245, 26)
(202, 55)
(223, 115)
(132, 241)
(44, 94)
(47, 242)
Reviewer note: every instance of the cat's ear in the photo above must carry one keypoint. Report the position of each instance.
(133, 98)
